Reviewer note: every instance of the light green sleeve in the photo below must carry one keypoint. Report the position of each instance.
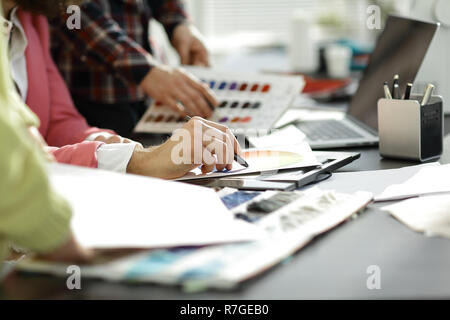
(31, 214)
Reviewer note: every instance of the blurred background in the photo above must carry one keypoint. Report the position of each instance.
(236, 25)
(317, 38)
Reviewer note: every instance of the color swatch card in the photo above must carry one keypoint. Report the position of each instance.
(247, 101)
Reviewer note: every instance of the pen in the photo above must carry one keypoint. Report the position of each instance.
(237, 157)
(396, 87)
(408, 91)
(396, 92)
(387, 93)
(427, 96)
(396, 82)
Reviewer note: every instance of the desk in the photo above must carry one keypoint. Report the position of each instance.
(333, 266)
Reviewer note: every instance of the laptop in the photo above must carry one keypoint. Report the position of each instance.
(400, 49)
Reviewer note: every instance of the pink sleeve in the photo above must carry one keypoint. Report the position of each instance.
(80, 154)
(67, 126)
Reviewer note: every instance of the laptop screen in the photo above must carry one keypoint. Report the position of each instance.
(400, 50)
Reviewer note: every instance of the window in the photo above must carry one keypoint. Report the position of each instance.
(266, 22)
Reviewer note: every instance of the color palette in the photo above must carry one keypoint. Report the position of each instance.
(247, 101)
(271, 160)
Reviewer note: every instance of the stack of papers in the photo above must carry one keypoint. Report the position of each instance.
(430, 215)
(428, 181)
(114, 210)
(303, 216)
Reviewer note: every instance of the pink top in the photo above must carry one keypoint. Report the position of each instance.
(61, 124)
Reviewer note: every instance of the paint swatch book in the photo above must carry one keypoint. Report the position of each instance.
(247, 101)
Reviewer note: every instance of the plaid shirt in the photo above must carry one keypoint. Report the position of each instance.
(106, 60)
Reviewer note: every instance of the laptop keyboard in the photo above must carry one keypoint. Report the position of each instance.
(327, 130)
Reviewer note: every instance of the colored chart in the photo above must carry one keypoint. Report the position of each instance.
(246, 101)
(271, 160)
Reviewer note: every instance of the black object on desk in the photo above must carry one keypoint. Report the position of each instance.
(285, 180)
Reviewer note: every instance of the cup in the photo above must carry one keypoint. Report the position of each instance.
(338, 59)
(303, 51)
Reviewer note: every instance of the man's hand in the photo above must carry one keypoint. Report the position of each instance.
(180, 91)
(186, 39)
(198, 143)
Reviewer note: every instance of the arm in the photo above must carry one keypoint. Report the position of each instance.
(31, 214)
(170, 13)
(102, 43)
(67, 126)
(109, 45)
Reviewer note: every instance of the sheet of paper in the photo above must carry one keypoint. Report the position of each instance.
(265, 160)
(429, 180)
(375, 181)
(293, 115)
(429, 214)
(288, 136)
(114, 210)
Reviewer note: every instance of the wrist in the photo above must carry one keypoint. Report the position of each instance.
(171, 29)
(137, 161)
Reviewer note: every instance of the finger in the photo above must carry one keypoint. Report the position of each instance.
(173, 104)
(114, 139)
(203, 89)
(220, 144)
(208, 161)
(198, 100)
(227, 131)
(208, 168)
(189, 105)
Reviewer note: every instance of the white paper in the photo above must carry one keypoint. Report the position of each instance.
(225, 266)
(429, 180)
(287, 136)
(429, 214)
(114, 210)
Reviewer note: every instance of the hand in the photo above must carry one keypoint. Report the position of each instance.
(110, 139)
(180, 91)
(71, 252)
(186, 39)
(198, 143)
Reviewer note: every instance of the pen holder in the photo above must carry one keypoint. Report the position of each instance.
(410, 131)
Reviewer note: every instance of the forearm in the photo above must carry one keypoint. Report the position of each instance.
(102, 44)
(170, 13)
(31, 214)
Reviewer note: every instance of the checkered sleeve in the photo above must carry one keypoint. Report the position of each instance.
(101, 42)
(170, 13)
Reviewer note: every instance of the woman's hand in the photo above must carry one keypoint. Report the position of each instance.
(198, 143)
(70, 252)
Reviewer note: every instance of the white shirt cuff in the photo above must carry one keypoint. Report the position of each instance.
(115, 157)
